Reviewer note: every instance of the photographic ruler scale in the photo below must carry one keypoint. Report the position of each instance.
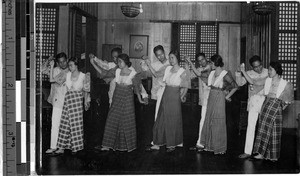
(15, 52)
(9, 87)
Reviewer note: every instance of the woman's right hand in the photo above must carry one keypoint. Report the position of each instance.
(92, 56)
(242, 67)
(188, 59)
(141, 101)
(52, 63)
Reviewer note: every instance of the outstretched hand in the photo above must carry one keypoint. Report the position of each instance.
(183, 99)
(145, 57)
(242, 67)
(228, 99)
(86, 105)
(92, 56)
(188, 59)
(52, 63)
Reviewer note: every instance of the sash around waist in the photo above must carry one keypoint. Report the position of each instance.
(216, 88)
(172, 87)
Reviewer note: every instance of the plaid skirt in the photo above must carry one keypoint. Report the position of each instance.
(70, 134)
(268, 138)
(214, 132)
(167, 128)
(120, 127)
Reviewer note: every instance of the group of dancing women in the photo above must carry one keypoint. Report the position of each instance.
(269, 95)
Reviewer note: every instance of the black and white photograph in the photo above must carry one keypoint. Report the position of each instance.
(150, 87)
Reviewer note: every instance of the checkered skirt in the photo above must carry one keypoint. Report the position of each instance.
(268, 138)
(120, 127)
(70, 135)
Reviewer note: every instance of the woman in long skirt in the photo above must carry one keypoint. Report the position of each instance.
(279, 93)
(120, 127)
(167, 129)
(70, 135)
(223, 86)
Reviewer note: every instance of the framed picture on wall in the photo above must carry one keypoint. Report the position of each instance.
(138, 46)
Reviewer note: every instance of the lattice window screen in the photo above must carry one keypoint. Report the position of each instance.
(194, 38)
(208, 39)
(287, 42)
(46, 24)
(187, 41)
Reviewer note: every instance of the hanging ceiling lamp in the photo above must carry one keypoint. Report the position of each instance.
(131, 11)
(263, 8)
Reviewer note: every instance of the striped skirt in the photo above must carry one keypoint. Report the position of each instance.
(70, 134)
(120, 127)
(167, 129)
(214, 133)
(268, 138)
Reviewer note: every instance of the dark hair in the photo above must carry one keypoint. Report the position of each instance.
(197, 64)
(254, 59)
(75, 60)
(177, 55)
(117, 49)
(217, 60)
(158, 47)
(125, 58)
(277, 67)
(199, 54)
(60, 55)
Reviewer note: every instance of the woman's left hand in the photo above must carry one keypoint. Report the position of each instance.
(86, 105)
(146, 101)
(228, 99)
(183, 99)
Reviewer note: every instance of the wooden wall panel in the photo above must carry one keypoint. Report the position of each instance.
(187, 11)
(101, 37)
(159, 30)
(229, 46)
(257, 30)
(62, 43)
(234, 48)
(184, 11)
(223, 44)
(159, 34)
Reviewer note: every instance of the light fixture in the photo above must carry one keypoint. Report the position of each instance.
(263, 8)
(131, 11)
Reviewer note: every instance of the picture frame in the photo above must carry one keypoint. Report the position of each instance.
(138, 46)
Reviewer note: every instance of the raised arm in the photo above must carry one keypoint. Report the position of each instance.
(103, 73)
(156, 74)
(99, 69)
(245, 74)
(197, 73)
(51, 78)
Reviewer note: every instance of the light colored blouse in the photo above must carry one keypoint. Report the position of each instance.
(224, 81)
(282, 90)
(81, 84)
(124, 80)
(178, 78)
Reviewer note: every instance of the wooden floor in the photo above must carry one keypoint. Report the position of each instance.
(182, 161)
